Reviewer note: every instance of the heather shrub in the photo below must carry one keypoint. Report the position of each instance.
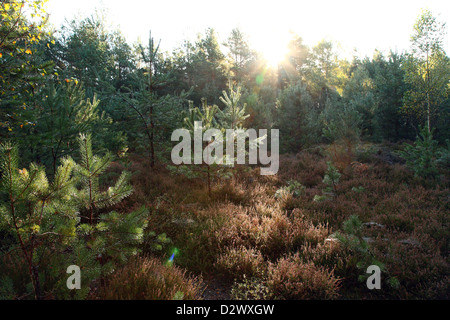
(341, 154)
(276, 235)
(230, 192)
(292, 279)
(149, 279)
(330, 255)
(306, 168)
(421, 270)
(242, 225)
(237, 263)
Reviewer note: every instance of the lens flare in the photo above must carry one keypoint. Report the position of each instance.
(172, 257)
(260, 77)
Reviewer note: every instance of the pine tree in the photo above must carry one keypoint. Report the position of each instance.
(66, 112)
(105, 238)
(207, 115)
(234, 115)
(38, 214)
(296, 117)
(91, 167)
(422, 156)
(240, 54)
(48, 224)
(331, 178)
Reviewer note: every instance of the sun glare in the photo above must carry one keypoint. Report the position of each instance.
(274, 55)
(273, 51)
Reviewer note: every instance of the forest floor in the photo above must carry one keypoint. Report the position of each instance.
(275, 236)
(216, 289)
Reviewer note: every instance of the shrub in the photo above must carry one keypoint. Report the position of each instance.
(305, 167)
(148, 279)
(240, 262)
(292, 279)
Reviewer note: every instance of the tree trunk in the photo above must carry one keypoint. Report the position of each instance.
(428, 97)
(152, 138)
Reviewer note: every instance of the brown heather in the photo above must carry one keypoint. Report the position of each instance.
(149, 279)
(292, 279)
(242, 229)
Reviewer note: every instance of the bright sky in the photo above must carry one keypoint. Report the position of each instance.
(365, 25)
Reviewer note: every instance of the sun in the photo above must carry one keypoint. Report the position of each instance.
(273, 49)
(274, 56)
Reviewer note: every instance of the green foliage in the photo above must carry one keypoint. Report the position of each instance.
(293, 187)
(44, 218)
(331, 178)
(353, 239)
(22, 71)
(178, 296)
(208, 68)
(421, 157)
(260, 107)
(207, 115)
(443, 160)
(323, 71)
(88, 47)
(89, 170)
(156, 243)
(297, 118)
(240, 54)
(320, 198)
(295, 64)
(37, 212)
(359, 189)
(388, 80)
(341, 122)
(360, 98)
(6, 289)
(233, 116)
(56, 210)
(66, 112)
(250, 289)
(426, 71)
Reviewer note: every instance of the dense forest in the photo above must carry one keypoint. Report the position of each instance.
(88, 186)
